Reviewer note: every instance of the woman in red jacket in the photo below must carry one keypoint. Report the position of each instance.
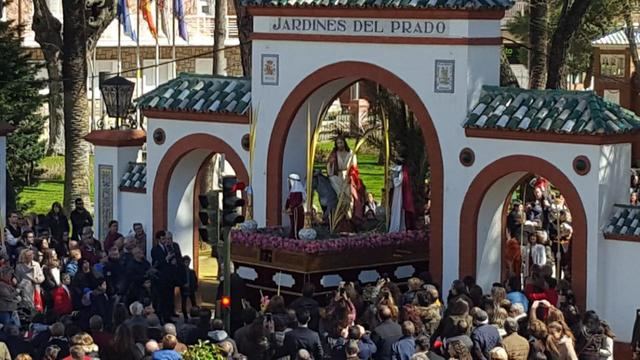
(62, 303)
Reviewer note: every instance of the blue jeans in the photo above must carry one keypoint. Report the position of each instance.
(9, 318)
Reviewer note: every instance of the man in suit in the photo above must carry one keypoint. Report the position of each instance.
(80, 218)
(302, 337)
(385, 334)
(308, 302)
(164, 260)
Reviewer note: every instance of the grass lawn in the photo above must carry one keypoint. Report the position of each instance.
(50, 188)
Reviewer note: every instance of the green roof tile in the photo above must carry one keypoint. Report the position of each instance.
(554, 111)
(435, 4)
(200, 93)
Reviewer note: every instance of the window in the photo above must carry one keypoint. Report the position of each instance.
(149, 73)
(204, 66)
(612, 65)
(108, 66)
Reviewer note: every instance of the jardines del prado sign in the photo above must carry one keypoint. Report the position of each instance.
(352, 26)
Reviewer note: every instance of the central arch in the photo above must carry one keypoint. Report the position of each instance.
(359, 70)
(511, 165)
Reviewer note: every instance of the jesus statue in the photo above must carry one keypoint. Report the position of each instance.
(342, 169)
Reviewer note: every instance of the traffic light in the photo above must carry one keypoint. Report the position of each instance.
(231, 203)
(209, 210)
(225, 302)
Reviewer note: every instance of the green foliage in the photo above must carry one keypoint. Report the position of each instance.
(204, 350)
(603, 17)
(20, 102)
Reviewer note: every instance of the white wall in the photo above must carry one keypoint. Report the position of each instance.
(489, 250)
(3, 179)
(118, 158)
(176, 130)
(616, 260)
(133, 209)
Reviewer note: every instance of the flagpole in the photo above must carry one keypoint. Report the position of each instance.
(157, 60)
(173, 45)
(119, 48)
(138, 61)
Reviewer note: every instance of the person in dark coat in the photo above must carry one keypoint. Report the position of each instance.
(101, 304)
(485, 337)
(163, 259)
(58, 339)
(188, 286)
(238, 293)
(385, 334)
(80, 218)
(136, 270)
(302, 338)
(58, 222)
(308, 302)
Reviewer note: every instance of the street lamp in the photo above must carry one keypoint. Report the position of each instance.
(116, 93)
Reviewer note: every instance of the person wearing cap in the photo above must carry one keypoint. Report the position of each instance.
(485, 337)
(295, 204)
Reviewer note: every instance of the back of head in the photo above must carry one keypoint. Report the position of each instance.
(384, 312)
(303, 316)
(498, 353)
(249, 315)
(226, 348)
(352, 348)
(77, 353)
(136, 308)
(57, 329)
(354, 333)
(480, 317)
(96, 323)
(151, 346)
(422, 343)
(408, 328)
(169, 342)
(538, 329)
(511, 326)
(303, 355)
(217, 325)
(469, 281)
(170, 329)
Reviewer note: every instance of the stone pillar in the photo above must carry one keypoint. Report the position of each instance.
(114, 150)
(5, 129)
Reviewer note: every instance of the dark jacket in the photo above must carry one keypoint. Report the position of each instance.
(57, 225)
(384, 335)
(8, 297)
(302, 338)
(485, 337)
(79, 220)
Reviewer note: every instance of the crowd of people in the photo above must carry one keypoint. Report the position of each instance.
(66, 295)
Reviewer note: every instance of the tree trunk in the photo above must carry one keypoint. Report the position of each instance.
(507, 77)
(633, 47)
(568, 24)
(56, 110)
(245, 26)
(76, 114)
(538, 28)
(219, 35)
(48, 34)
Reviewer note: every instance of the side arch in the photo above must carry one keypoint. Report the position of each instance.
(530, 164)
(359, 70)
(171, 159)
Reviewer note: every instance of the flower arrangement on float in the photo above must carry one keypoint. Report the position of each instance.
(272, 239)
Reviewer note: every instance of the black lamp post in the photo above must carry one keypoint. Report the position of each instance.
(116, 93)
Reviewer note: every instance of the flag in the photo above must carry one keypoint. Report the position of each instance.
(145, 7)
(125, 19)
(164, 25)
(178, 12)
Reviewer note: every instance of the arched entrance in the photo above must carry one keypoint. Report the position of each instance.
(356, 71)
(187, 156)
(492, 184)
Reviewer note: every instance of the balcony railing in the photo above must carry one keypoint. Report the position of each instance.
(205, 24)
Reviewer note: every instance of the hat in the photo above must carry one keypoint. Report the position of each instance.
(294, 177)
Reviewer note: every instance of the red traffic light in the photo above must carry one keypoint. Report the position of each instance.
(226, 302)
(239, 186)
